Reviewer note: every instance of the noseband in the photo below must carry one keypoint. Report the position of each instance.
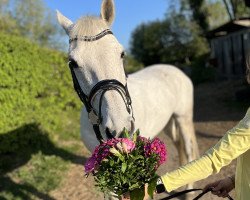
(100, 88)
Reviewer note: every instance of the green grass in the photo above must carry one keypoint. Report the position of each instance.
(32, 171)
(45, 172)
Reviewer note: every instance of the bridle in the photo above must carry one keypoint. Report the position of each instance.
(100, 88)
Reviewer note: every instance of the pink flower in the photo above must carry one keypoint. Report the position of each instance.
(102, 151)
(156, 147)
(127, 144)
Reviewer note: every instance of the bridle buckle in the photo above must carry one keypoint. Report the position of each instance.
(93, 118)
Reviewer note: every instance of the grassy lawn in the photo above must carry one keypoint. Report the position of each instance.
(41, 159)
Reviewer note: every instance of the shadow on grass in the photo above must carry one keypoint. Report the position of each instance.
(20, 190)
(17, 148)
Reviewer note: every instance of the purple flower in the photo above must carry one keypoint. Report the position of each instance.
(102, 151)
(143, 139)
(90, 165)
(156, 147)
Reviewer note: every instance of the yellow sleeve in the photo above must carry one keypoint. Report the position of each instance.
(234, 143)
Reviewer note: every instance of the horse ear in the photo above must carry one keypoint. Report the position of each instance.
(108, 11)
(64, 22)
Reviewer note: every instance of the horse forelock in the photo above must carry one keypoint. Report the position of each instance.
(88, 26)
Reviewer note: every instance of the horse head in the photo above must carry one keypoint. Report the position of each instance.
(96, 61)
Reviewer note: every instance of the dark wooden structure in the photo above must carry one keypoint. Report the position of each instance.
(230, 48)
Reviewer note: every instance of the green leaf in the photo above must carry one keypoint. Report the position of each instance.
(136, 134)
(124, 167)
(137, 194)
(121, 157)
(152, 186)
(112, 162)
(125, 133)
(134, 186)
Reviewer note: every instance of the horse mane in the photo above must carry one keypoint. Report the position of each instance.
(88, 26)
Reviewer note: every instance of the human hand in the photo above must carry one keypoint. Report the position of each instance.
(221, 188)
(126, 196)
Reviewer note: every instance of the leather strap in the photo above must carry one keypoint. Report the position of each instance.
(100, 88)
(91, 38)
(177, 194)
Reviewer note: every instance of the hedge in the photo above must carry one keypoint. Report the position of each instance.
(35, 84)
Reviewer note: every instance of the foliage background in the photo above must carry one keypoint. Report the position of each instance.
(32, 20)
(39, 114)
(34, 83)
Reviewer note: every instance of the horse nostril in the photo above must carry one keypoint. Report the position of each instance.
(109, 134)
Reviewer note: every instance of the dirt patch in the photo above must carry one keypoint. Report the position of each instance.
(213, 116)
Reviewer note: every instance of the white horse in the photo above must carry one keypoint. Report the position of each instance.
(162, 95)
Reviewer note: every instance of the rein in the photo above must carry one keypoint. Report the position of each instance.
(177, 194)
(100, 88)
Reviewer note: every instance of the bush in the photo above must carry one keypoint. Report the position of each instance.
(132, 65)
(35, 84)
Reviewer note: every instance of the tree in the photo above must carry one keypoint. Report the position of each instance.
(132, 65)
(31, 19)
(35, 21)
(211, 13)
(236, 9)
(146, 44)
(172, 40)
(207, 14)
(199, 13)
(7, 23)
(3, 4)
(217, 14)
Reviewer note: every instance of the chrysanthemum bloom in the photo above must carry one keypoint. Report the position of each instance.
(127, 145)
(157, 147)
(90, 165)
(142, 139)
(102, 151)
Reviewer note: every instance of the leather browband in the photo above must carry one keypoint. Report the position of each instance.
(91, 38)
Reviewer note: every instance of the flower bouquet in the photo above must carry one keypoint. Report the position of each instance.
(122, 165)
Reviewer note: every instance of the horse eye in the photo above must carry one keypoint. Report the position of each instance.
(123, 54)
(73, 63)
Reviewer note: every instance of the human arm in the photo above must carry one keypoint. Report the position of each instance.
(234, 143)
